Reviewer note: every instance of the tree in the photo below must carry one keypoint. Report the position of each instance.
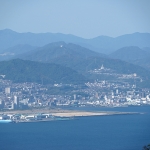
(147, 147)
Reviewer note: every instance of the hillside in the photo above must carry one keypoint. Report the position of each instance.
(118, 67)
(145, 62)
(129, 54)
(11, 52)
(60, 53)
(134, 55)
(28, 71)
(102, 44)
(115, 64)
(80, 59)
(147, 49)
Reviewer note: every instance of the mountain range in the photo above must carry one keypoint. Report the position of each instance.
(60, 53)
(66, 58)
(78, 58)
(102, 44)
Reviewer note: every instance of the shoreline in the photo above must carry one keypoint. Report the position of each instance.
(58, 114)
(93, 113)
(66, 113)
(64, 117)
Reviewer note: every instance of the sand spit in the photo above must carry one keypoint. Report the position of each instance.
(81, 113)
(66, 113)
(78, 113)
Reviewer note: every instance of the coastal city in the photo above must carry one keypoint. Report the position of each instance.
(100, 93)
(37, 102)
(74, 74)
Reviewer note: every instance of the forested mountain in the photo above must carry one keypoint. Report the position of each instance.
(135, 55)
(48, 73)
(60, 53)
(117, 65)
(47, 48)
(129, 54)
(145, 62)
(80, 59)
(28, 71)
(147, 49)
(11, 52)
(102, 44)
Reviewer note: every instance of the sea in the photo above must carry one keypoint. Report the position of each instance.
(114, 132)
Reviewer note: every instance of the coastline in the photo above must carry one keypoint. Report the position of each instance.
(46, 115)
(51, 114)
(86, 113)
(66, 112)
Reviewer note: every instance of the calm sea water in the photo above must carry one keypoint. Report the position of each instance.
(117, 132)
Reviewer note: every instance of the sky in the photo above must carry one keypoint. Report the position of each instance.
(83, 18)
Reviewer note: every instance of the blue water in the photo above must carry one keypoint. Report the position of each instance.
(117, 132)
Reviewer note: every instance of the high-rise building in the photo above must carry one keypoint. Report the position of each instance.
(16, 102)
(7, 90)
(96, 95)
(2, 104)
(74, 96)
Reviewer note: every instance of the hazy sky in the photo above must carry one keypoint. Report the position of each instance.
(84, 18)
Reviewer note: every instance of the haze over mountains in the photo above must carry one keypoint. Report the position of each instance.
(61, 53)
(15, 50)
(78, 58)
(133, 54)
(80, 55)
(102, 44)
(130, 53)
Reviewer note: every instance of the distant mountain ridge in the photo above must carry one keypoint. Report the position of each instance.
(60, 53)
(102, 44)
(73, 52)
(133, 54)
(11, 52)
(129, 53)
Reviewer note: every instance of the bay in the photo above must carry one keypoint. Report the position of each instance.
(116, 132)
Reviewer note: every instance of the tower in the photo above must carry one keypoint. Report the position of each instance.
(117, 91)
(16, 102)
(102, 67)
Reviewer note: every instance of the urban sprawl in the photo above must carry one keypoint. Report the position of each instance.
(107, 93)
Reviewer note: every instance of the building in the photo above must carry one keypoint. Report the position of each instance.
(2, 104)
(16, 102)
(7, 90)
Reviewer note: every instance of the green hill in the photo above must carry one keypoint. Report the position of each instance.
(129, 54)
(11, 52)
(81, 59)
(115, 64)
(28, 71)
(60, 53)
